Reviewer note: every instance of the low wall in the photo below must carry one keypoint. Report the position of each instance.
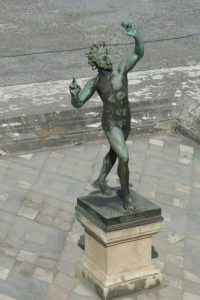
(81, 125)
(40, 114)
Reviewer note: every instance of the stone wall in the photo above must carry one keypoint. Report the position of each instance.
(40, 114)
(77, 126)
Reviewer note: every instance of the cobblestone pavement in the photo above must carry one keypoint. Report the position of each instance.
(40, 241)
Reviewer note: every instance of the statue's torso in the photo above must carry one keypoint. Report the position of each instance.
(113, 91)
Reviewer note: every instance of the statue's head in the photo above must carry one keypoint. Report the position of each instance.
(98, 57)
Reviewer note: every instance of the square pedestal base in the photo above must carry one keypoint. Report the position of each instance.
(117, 258)
(119, 284)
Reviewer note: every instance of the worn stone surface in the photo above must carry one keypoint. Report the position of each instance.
(38, 255)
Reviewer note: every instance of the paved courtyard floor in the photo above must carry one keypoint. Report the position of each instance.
(41, 243)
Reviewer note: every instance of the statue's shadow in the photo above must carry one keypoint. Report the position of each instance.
(113, 193)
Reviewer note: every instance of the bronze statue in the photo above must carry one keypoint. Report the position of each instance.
(111, 84)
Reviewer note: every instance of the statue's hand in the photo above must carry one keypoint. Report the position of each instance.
(74, 88)
(129, 29)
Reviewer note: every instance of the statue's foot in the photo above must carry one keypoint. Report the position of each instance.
(129, 205)
(103, 187)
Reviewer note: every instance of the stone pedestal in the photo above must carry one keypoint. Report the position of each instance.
(118, 245)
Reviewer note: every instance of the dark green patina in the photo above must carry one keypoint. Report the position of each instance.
(111, 84)
(108, 212)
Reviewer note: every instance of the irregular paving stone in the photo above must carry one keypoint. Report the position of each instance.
(6, 262)
(156, 142)
(192, 287)
(163, 199)
(24, 268)
(37, 238)
(5, 297)
(165, 186)
(26, 256)
(175, 230)
(18, 280)
(171, 293)
(190, 296)
(63, 215)
(43, 275)
(59, 186)
(81, 297)
(181, 203)
(174, 281)
(182, 188)
(27, 212)
(176, 249)
(187, 149)
(9, 251)
(155, 150)
(60, 224)
(193, 226)
(26, 156)
(159, 264)
(14, 201)
(175, 260)
(192, 261)
(83, 290)
(29, 174)
(36, 161)
(195, 203)
(167, 168)
(196, 184)
(4, 197)
(44, 182)
(56, 155)
(8, 289)
(4, 273)
(172, 270)
(34, 200)
(73, 237)
(182, 199)
(67, 268)
(65, 282)
(191, 276)
(143, 296)
(183, 171)
(47, 209)
(184, 161)
(24, 184)
(45, 263)
(52, 165)
(71, 253)
(44, 219)
(56, 293)
(38, 287)
(5, 228)
(65, 171)
(186, 155)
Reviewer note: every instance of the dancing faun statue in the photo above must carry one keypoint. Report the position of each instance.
(111, 84)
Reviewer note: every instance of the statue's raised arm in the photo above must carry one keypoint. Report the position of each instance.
(138, 52)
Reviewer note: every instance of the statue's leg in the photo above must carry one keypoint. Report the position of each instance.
(108, 163)
(117, 141)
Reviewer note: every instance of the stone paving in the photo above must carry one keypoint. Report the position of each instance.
(41, 243)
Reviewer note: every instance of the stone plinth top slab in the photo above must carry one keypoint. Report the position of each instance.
(107, 212)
